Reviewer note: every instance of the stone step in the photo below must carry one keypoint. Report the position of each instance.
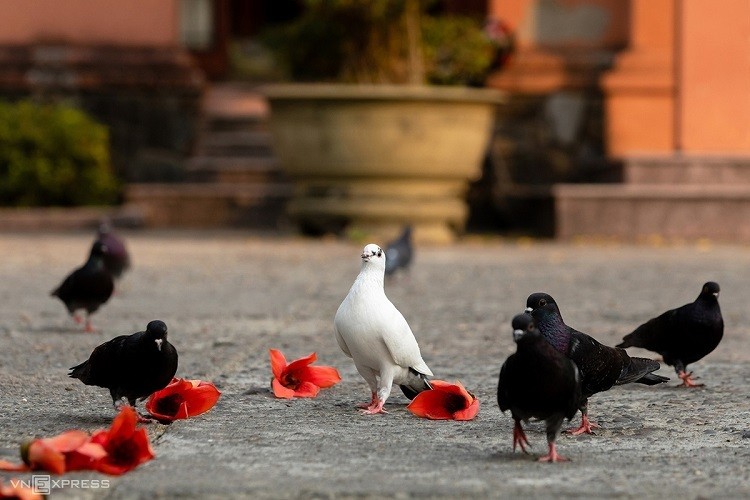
(235, 143)
(199, 205)
(68, 218)
(234, 169)
(235, 100)
(687, 170)
(634, 212)
(224, 123)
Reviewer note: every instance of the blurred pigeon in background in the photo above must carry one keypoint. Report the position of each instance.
(371, 331)
(117, 260)
(683, 335)
(88, 287)
(131, 366)
(399, 253)
(539, 382)
(601, 366)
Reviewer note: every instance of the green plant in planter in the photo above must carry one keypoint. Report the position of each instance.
(53, 155)
(382, 41)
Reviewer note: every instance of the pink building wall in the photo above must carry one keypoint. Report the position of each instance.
(122, 22)
(681, 82)
(715, 76)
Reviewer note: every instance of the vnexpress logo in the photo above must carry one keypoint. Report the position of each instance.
(43, 484)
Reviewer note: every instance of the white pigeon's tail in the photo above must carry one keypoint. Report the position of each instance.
(416, 383)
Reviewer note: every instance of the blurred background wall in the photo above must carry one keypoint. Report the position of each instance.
(626, 118)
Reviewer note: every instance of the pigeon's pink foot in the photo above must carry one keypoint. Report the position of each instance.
(519, 437)
(585, 428)
(143, 419)
(89, 327)
(376, 408)
(687, 380)
(371, 404)
(552, 456)
(77, 319)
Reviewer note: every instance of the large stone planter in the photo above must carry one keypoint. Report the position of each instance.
(370, 159)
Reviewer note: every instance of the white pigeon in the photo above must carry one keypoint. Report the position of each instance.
(371, 331)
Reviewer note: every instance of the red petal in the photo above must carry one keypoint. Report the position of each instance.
(300, 363)
(469, 413)
(68, 441)
(84, 457)
(431, 404)
(280, 391)
(122, 427)
(170, 410)
(100, 437)
(278, 362)
(457, 388)
(307, 390)
(134, 452)
(44, 457)
(322, 376)
(200, 399)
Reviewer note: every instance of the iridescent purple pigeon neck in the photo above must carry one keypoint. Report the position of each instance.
(552, 328)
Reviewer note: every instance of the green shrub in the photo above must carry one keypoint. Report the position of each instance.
(367, 41)
(53, 155)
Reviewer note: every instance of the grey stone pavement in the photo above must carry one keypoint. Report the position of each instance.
(229, 297)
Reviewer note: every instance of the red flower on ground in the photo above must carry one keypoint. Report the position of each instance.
(16, 490)
(71, 450)
(298, 378)
(126, 447)
(182, 398)
(445, 401)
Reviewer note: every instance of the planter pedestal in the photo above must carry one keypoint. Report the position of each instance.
(370, 159)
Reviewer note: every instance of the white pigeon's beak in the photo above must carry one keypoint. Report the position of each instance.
(517, 334)
(529, 309)
(158, 343)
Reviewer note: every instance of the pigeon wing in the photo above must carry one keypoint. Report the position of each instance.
(401, 343)
(341, 341)
(653, 334)
(503, 397)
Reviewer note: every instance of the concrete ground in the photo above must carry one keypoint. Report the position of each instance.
(229, 297)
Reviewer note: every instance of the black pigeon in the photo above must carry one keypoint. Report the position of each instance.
(399, 252)
(117, 260)
(538, 382)
(683, 335)
(88, 287)
(601, 366)
(131, 366)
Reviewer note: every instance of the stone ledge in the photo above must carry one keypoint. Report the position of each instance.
(632, 212)
(670, 169)
(67, 218)
(197, 205)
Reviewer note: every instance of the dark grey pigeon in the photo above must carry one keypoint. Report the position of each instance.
(601, 366)
(538, 382)
(683, 335)
(399, 252)
(88, 287)
(117, 260)
(133, 366)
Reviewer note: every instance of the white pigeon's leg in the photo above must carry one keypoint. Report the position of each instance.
(370, 377)
(384, 390)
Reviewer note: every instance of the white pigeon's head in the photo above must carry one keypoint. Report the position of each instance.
(374, 255)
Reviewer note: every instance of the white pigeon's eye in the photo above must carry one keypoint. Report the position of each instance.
(542, 302)
(380, 252)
